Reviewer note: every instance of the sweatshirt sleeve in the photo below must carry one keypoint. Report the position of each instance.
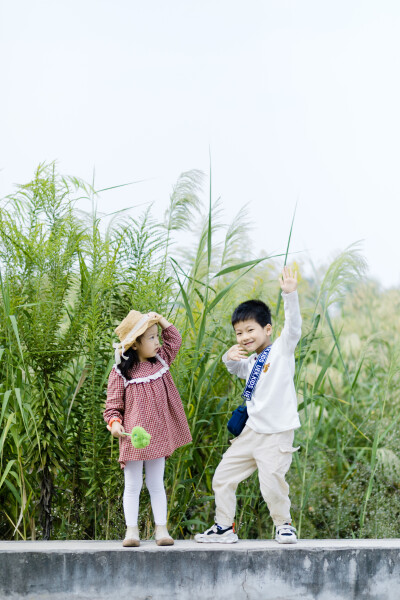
(236, 367)
(291, 332)
(115, 405)
(171, 343)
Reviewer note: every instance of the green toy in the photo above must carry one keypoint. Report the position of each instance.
(139, 437)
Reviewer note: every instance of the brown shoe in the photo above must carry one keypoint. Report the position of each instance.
(131, 538)
(162, 536)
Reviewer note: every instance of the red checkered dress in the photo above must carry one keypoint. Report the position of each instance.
(150, 400)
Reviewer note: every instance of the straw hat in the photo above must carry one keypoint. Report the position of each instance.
(132, 327)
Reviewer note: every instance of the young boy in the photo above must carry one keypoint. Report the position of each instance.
(266, 442)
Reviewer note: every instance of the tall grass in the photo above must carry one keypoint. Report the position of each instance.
(68, 278)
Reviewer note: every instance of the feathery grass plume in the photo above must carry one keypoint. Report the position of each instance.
(195, 259)
(341, 276)
(237, 242)
(184, 201)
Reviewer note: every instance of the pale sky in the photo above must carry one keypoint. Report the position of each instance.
(298, 101)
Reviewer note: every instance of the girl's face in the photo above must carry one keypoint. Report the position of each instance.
(148, 344)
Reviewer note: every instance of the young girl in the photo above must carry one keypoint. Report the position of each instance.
(141, 392)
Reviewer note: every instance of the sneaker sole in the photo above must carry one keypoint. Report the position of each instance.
(286, 541)
(232, 539)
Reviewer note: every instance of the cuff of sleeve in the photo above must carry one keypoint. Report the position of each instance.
(112, 421)
(225, 358)
(169, 329)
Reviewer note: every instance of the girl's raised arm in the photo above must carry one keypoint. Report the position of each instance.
(171, 337)
(171, 343)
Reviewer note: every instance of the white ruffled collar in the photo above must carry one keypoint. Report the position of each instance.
(156, 375)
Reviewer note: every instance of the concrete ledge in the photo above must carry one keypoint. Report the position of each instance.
(250, 569)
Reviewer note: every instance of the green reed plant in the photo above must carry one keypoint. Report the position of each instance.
(41, 238)
(68, 278)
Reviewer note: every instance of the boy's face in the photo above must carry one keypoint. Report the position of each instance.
(148, 345)
(252, 336)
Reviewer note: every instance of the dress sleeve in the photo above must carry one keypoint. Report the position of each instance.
(171, 343)
(239, 368)
(115, 404)
(291, 332)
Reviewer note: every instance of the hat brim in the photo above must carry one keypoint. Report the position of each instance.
(142, 330)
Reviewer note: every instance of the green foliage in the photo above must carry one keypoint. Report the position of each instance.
(67, 280)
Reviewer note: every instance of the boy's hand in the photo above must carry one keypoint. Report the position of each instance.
(117, 429)
(288, 280)
(236, 353)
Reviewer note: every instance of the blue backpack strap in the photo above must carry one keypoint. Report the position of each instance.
(255, 374)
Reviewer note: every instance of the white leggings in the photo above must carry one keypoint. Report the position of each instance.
(133, 473)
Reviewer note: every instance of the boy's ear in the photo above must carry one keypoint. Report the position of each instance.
(268, 329)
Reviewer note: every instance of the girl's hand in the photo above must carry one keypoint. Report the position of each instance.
(117, 429)
(154, 315)
(288, 280)
(162, 321)
(236, 353)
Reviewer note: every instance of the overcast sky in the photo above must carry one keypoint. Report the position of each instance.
(298, 101)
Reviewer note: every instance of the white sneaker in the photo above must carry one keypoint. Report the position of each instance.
(216, 533)
(132, 539)
(286, 534)
(162, 536)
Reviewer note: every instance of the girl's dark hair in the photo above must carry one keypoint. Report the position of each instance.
(252, 309)
(132, 359)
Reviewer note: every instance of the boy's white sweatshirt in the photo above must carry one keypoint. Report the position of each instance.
(273, 406)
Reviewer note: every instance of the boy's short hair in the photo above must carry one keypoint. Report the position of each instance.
(252, 309)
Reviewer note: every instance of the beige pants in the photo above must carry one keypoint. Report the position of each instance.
(271, 454)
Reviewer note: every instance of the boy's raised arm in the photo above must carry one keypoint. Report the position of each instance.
(288, 280)
(291, 332)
